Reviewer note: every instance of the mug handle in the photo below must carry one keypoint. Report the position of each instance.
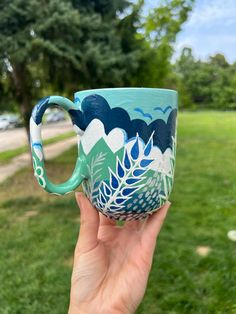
(37, 148)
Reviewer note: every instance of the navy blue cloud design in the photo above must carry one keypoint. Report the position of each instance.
(39, 109)
(96, 107)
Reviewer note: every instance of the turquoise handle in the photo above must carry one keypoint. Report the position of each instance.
(37, 148)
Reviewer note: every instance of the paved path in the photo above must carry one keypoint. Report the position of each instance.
(11, 139)
(21, 161)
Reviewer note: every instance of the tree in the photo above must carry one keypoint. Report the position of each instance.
(62, 45)
(208, 84)
(160, 30)
(68, 45)
(7, 101)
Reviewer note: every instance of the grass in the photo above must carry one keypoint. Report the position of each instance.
(6, 156)
(38, 231)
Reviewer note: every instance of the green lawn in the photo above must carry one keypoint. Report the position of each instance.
(38, 231)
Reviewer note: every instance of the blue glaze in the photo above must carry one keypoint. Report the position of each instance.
(107, 190)
(138, 172)
(120, 170)
(113, 207)
(39, 110)
(148, 147)
(120, 200)
(114, 181)
(132, 181)
(128, 191)
(135, 150)
(77, 100)
(103, 198)
(127, 161)
(37, 145)
(145, 162)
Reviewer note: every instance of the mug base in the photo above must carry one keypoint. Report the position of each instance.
(129, 216)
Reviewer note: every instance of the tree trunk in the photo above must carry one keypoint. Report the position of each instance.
(23, 93)
(25, 110)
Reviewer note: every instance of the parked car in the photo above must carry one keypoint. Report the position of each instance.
(9, 121)
(4, 123)
(55, 116)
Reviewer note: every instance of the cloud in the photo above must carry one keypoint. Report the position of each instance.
(210, 30)
(207, 45)
(95, 131)
(116, 139)
(210, 12)
(96, 107)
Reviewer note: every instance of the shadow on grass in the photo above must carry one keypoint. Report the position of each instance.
(21, 202)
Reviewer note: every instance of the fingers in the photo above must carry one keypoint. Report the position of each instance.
(89, 223)
(144, 223)
(105, 221)
(155, 221)
(153, 225)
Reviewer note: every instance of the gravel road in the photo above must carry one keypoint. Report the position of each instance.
(11, 139)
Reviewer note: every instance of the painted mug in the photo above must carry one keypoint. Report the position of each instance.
(127, 148)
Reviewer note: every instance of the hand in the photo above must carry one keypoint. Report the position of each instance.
(112, 263)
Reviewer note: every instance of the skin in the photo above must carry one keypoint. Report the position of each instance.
(112, 263)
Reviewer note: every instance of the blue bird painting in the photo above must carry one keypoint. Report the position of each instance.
(145, 115)
(163, 110)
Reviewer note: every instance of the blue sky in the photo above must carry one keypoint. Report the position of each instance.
(210, 29)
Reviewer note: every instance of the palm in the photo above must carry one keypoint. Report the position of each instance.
(113, 268)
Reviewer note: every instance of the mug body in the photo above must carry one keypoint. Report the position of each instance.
(128, 143)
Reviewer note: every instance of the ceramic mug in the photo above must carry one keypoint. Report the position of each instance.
(127, 147)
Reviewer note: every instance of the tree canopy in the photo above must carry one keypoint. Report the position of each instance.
(206, 84)
(61, 46)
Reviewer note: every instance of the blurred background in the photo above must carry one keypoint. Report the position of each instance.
(58, 47)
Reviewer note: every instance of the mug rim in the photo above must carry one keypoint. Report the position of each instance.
(147, 89)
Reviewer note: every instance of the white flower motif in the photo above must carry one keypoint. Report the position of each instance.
(39, 173)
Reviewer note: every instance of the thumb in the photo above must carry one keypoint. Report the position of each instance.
(152, 228)
(89, 223)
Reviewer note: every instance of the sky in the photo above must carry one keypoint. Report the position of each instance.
(210, 29)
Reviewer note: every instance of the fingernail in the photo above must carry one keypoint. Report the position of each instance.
(166, 206)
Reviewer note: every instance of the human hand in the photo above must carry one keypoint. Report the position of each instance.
(112, 263)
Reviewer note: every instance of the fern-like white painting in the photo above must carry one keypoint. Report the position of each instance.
(91, 187)
(126, 179)
(139, 182)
